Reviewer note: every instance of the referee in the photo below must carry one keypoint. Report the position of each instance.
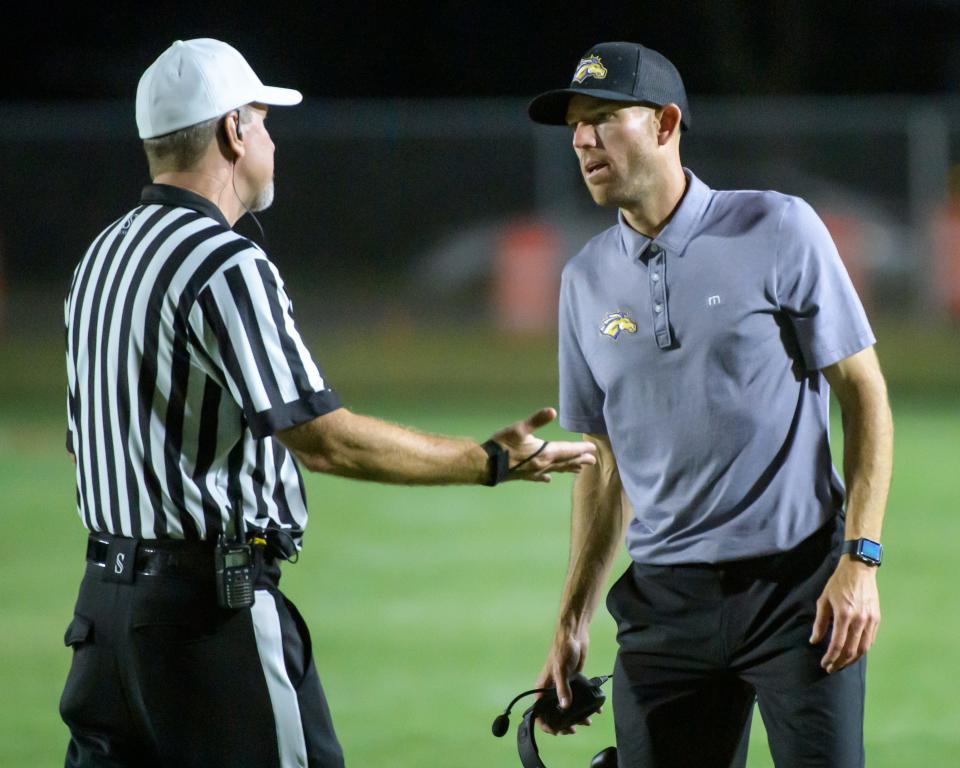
(190, 392)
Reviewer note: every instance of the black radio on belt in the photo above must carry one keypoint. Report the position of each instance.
(233, 563)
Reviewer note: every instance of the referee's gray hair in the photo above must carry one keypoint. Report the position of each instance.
(180, 150)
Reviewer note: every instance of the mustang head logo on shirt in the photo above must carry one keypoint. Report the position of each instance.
(615, 322)
(590, 67)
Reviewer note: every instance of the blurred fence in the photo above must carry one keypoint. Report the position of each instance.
(419, 211)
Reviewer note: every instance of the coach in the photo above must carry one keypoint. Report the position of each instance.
(190, 392)
(699, 339)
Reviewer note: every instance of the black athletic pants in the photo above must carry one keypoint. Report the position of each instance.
(700, 643)
(163, 678)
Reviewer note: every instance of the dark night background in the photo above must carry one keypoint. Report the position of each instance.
(413, 198)
(406, 102)
(495, 49)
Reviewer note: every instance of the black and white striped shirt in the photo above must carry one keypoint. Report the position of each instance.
(182, 360)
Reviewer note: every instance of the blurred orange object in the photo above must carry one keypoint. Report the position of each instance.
(526, 277)
(945, 245)
(946, 258)
(848, 234)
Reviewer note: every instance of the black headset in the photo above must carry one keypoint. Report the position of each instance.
(586, 697)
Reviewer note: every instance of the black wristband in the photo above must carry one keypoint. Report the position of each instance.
(498, 462)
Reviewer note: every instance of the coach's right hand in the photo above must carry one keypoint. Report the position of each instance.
(566, 658)
(534, 459)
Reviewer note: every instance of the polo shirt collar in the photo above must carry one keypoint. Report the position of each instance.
(178, 197)
(679, 230)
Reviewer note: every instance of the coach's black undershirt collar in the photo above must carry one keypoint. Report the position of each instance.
(167, 194)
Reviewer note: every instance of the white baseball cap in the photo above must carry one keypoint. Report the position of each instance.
(197, 80)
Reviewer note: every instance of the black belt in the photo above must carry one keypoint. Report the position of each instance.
(160, 557)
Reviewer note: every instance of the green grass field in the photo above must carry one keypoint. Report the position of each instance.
(431, 608)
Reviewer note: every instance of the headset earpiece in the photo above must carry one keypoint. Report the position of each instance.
(605, 758)
(235, 116)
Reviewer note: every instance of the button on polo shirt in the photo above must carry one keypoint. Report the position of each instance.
(699, 354)
(658, 297)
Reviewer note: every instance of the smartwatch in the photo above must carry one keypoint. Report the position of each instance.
(865, 550)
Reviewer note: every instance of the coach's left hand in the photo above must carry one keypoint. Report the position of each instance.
(852, 602)
(534, 459)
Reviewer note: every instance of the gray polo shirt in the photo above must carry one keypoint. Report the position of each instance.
(698, 353)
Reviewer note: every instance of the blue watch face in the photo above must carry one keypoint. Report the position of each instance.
(870, 549)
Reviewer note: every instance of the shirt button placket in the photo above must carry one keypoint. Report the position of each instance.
(658, 297)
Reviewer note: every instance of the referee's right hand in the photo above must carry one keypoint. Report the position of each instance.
(352, 445)
(534, 459)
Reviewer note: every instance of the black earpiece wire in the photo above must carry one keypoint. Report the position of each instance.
(233, 183)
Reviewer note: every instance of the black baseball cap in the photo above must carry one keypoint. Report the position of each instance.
(618, 72)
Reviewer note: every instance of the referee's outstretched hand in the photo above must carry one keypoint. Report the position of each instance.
(534, 459)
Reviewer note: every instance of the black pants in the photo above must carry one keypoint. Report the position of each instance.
(699, 643)
(163, 677)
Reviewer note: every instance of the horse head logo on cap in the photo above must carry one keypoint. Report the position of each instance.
(590, 67)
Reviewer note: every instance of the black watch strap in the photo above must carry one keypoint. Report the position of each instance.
(498, 462)
(865, 550)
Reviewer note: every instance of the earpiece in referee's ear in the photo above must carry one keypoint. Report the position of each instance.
(236, 124)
